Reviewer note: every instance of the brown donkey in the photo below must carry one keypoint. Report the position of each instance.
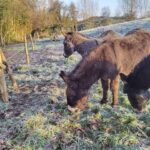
(137, 83)
(75, 41)
(112, 57)
(5, 68)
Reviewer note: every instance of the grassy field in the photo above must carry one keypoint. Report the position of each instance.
(37, 118)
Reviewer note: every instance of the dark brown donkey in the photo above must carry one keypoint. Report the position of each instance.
(137, 83)
(75, 41)
(106, 62)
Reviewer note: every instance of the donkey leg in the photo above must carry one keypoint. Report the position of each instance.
(115, 89)
(3, 87)
(105, 86)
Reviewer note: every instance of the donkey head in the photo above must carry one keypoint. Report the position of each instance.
(136, 98)
(76, 96)
(69, 44)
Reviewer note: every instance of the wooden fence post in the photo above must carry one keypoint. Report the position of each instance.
(26, 50)
(3, 87)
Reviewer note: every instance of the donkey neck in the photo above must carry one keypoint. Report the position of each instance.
(78, 39)
(86, 74)
(84, 47)
(93, 66)
(88, 80)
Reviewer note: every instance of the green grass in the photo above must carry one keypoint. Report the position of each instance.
(45, 123)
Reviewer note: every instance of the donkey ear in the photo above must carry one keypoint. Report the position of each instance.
(123, 77)
(64, 76)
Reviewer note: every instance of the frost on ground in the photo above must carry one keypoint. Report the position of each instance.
(121, 28)
(37, 118)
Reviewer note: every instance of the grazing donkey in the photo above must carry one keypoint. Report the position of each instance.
(5, 68)
(136, 83)
(107, 61)
(75, 41)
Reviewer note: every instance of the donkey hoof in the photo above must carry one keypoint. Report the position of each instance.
(103, 101)
(115, 106)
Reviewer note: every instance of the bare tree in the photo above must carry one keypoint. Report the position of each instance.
(105, 12)
(118, 12)
(129, 7)
(88, 8)
(51, 2)
(40, 3)
(73, 14)
(135, 8)
(143, 8)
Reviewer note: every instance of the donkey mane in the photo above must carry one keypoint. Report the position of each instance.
(108, 32)
(77, 70)
(81, 34)
(90, 59)
(137, 30)
(84, 35)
